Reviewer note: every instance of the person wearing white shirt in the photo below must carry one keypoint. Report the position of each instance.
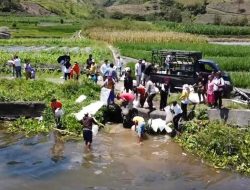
(17, 63)
(138, 72)
(218, 88)
(103, 69)
(177, 111)
(151, 92)
(119, 66)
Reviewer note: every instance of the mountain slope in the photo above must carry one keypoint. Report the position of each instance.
(78, 8)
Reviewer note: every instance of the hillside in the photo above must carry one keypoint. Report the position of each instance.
(78, 8)
(201, 11)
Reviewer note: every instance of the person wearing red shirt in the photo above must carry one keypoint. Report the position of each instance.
(141, 90)
(75, 71)
(127, 99)
(56, 107)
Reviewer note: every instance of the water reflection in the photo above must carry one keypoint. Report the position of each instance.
(57, 150)
(116, 161)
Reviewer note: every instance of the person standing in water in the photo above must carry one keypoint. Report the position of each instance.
(87, 122)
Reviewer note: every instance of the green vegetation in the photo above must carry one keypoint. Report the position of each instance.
(211, 30)
(222, 146)
(78, 49)
(40, 27)
(41, 90)
(230, 58)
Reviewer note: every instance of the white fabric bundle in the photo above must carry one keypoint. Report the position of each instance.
(156, 124)
(104, 95)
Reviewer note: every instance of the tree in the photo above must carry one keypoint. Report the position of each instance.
(8, 5)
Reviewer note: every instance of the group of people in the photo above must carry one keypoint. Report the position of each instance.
(16, 66)
(211, 91)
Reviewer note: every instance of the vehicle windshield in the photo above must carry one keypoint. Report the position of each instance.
(208, 67)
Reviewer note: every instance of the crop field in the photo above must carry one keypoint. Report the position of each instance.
(46, 51)
(234, 59)
(210, 30)
(130, 36)
(40, 27)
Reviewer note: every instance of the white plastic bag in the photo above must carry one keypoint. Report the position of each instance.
(58, 112)
(104, 95)
(136, 103)
(169, 115)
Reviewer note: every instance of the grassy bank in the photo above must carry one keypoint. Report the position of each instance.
(222, 146)
(41, 90)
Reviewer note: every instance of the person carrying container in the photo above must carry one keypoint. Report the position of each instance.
(56, 107)
(87, 122)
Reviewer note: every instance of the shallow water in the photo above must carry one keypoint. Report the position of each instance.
(116, 162)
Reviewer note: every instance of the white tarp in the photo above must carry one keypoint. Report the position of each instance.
(90, 109)
(104, 95)
(156, 124)
(81, 99)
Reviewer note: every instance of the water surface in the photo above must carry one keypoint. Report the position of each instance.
(116, 162)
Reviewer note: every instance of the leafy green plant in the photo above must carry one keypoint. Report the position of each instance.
(221, 145)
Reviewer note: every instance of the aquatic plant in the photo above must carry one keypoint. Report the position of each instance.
(221, 145)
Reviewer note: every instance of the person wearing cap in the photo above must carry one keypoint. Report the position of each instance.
(56, 106)
(128, 81)
(138, 72)
(87, 122)
(119, 65)
(139, 123)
